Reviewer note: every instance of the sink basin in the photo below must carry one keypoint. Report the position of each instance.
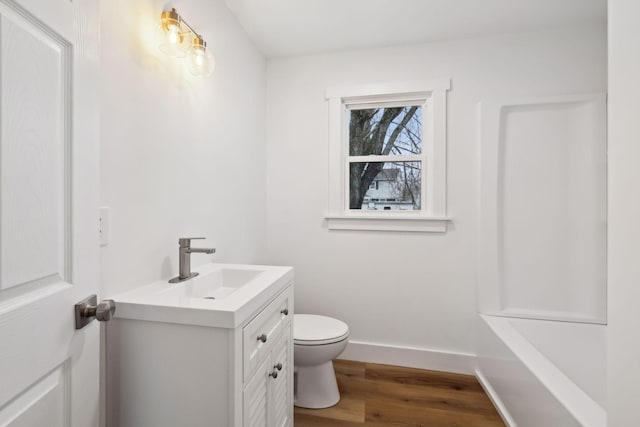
(217, 284)
(222, 295)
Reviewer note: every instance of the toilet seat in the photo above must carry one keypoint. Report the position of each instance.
(312, 329)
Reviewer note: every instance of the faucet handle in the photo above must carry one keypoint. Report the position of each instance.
(185, 242)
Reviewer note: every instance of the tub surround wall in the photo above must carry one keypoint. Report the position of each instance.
(181, 156)
(542, 236)
(624, 214)
(407, 297)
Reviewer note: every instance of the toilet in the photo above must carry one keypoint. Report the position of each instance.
(317, 340)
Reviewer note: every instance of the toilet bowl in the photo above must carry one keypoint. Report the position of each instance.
(317, 340)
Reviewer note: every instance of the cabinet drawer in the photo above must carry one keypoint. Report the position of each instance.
(259, 334)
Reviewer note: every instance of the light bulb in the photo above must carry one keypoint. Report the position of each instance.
(200, 60)
(173, 35)
(172, 39)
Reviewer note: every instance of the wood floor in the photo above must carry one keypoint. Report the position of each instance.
(382, 395)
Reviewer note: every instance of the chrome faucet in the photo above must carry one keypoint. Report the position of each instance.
(185, 252)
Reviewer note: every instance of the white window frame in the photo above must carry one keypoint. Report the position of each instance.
(432, 95)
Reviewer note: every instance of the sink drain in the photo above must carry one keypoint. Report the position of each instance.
(209, 297)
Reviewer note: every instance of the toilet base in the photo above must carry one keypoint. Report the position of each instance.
(316, 386)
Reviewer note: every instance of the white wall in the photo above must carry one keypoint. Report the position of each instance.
(181, 156)
(624, 214)
(415, 290)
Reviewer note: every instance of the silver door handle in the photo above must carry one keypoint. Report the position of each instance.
(88, 309)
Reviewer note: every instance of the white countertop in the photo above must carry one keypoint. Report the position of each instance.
(166, 302)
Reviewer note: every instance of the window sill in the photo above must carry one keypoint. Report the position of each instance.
(390, 223)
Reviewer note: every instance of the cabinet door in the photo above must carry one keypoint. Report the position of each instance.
(255, 399)
(281, 403)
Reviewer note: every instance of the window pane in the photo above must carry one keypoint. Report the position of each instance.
(385, 185)
(385, 131)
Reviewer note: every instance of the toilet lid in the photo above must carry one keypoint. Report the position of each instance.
(312, 329)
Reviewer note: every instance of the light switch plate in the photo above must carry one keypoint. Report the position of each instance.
(104, 226)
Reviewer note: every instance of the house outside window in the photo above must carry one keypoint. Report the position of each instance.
(388, 190)
(387, 153)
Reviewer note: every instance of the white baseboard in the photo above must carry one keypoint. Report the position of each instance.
(495, 399)
(411, 357)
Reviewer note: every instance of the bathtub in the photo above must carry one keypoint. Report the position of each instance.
(542, 373)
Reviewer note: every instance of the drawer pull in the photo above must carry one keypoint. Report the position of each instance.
(285, 311)
(274, 374)
(262, 337)
(278, 366)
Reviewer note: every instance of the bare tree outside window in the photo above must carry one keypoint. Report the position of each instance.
(391, 131)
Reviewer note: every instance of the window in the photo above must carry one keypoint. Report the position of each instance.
(387, 154)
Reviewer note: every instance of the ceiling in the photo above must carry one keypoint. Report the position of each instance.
(295, 27)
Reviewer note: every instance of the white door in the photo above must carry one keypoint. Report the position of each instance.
(49, 151)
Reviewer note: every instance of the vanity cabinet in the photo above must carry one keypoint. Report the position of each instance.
(178, 371)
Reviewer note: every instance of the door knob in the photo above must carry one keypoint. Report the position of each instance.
(88, 309)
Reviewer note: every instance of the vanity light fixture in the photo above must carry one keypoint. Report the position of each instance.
(180, 40)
